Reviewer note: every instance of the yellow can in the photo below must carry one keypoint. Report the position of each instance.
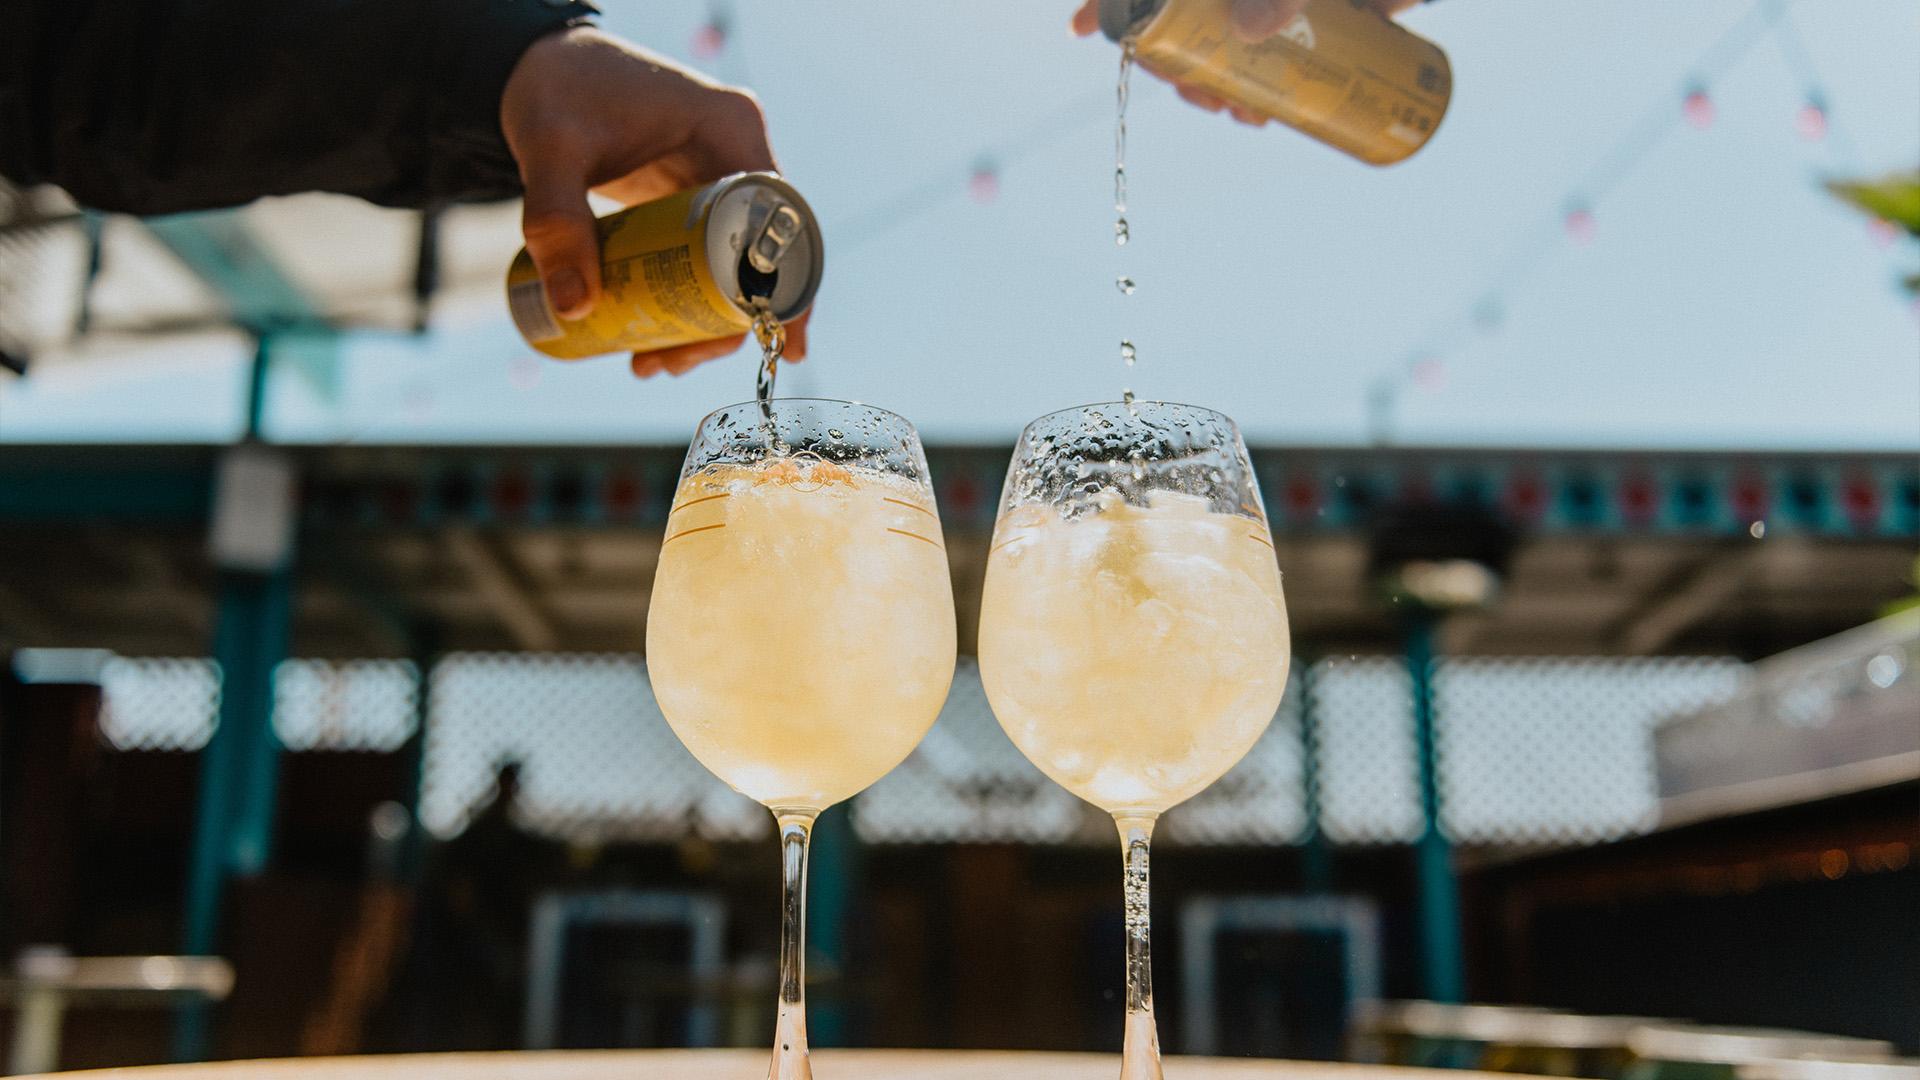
(1341, 72)
(690, 267)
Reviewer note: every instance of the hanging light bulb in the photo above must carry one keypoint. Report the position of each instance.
(711, 39)
(1581, 225)
(984, 185)
(1697, 107)
(1811, 119)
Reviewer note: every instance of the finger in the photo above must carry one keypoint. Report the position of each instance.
(1248, 116)
(560, 235)
(1087, 19)
(645, 365)
(1395, 7)
(1195, 96)
(731, 136)
(1257, 20)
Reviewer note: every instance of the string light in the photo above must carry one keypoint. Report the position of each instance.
(983, 186)
(711, 39)
(1697, 107)
(1580, 225)
(1811, 119)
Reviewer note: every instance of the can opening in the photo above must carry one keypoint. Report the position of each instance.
(755, 283)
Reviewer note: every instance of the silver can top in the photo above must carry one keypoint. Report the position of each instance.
(763, 242)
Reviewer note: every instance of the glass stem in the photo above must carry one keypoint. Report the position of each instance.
(1140, 1058)
(790, 1031)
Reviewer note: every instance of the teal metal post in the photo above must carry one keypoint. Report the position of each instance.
(831, 875)
(1316, 855)
(1439, 889)
(240, 767)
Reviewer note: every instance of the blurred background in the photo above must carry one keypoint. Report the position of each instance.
(1590, 439)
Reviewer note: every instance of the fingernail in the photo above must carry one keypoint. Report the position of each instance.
(567, 292)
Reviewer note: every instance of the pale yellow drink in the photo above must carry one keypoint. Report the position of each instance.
(801, 634)
(1136, 653)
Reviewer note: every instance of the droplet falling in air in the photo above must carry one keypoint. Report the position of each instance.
(1126, 397)
(1125, 284)
(1121, 234)
(1127, 354)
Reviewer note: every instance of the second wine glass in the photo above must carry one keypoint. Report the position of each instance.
(1133, 639)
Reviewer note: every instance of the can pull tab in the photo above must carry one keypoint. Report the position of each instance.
(776, 235)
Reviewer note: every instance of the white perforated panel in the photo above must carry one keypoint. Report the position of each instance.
(159, 703)
(352, 705)
(598, 761)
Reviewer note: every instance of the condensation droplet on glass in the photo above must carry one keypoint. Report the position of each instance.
(836, 433)
(1125, 284)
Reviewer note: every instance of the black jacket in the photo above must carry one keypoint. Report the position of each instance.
(155, 106)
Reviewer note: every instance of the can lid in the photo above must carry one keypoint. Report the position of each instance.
(1738, 1046)
(1119, 18)
(759, 227)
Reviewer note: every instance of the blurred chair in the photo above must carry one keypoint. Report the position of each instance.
(47, 981)
(1352, 922)
(558, 914)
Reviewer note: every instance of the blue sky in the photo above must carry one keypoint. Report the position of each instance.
(1725, 300)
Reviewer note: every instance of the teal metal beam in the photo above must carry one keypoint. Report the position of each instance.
(221, 249)
(1433, 854)
(39, 496)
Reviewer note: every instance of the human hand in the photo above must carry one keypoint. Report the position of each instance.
(1253, 20)
(585, 111)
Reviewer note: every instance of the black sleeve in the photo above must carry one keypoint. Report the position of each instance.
(155, 106)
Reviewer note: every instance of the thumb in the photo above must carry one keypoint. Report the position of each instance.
(1257, 20)
(561, 238)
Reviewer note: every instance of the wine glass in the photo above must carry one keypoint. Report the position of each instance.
(801, 635)
(1133, 639)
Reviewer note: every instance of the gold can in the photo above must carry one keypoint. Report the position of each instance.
(690, 267)
(1341, 73)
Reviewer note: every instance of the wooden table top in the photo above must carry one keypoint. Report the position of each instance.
(748, 1065)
